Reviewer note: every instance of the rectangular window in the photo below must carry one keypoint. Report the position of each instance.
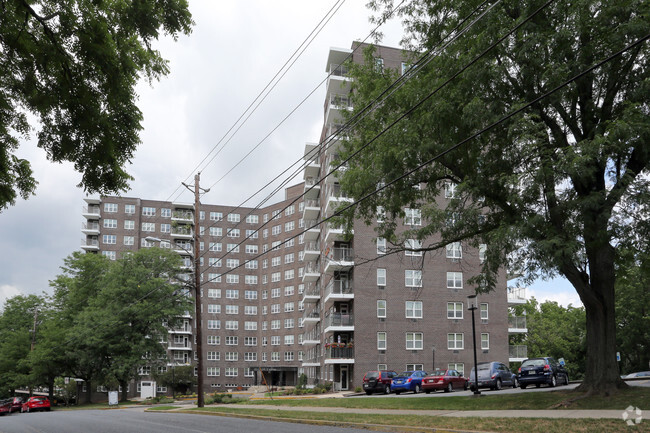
(381, 277)
(275, 308)
(275, 340)
(165, 228)
(214, 293)
(454, 280)
(414, 367)
(214, 340)
(381, 246)
(214, 324)
(413, 309)
(232, 340)
(276, 261)
(129, 240)
(413, 278)
(275, 277)
(484, 311)
(288, 291)
(250, 326)
(110, 224)
(450, 190)
(455, 341)
(216, 216)
(250, 310)
(381, 308)
(232, 279)
(250, 341)
(289, 274)
(129, 209)
(213, 356)
(216, 231)
(165, 213)
(148, 227)
(275, 324)
(454, 310)
(458, 366)
(149, 211)
(109, 239)
(412, 245)
(289, 340)
(482, 248)
(288, 307)
(232, 309)
(454, 251)
(288, 258)
(232, 263)
(232, 356)
(129, 225)
(485, 341)
(233, 217)
(251, 249)
(289, 226)
(412, 217)
(214, 308)
(252, 219)
(232, 248)
(251, 264)
(233, 233)
(232, 372)
(110, 207)
(289, 323)
(214, 246)
(414, 341)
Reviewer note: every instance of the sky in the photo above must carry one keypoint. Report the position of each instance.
(234, 51)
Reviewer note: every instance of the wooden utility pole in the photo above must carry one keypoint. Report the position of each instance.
(197, 295)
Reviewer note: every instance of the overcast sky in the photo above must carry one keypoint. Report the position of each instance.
(236, 47)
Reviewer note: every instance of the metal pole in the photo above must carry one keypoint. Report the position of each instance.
(197, 296)
(472, 308)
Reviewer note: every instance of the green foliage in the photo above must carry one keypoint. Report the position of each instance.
(74, 65)
(302, 381)
(549, 191)
(180, 378)
(223, 398)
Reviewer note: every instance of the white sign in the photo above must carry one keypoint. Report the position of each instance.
(112, 398)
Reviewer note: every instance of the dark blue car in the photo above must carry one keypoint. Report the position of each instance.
(408, 381)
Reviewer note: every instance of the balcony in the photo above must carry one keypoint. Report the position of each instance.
(337, 322)
(331, 167)
(185, 345)
(312, 188)
(312, 293)
(516, 295)
(311, 210)
(311, 317)
(182, 232)
(339, 355)
(338, 81)
(313, 230)
(311, 338)
(91, 212)
(336, 105)
(312, 251)
(183, 216)
(518, 353)
(338, 290)
(184, 329)
(312, 272)
(338, 259)
(517, 325)
(90, 244)
(312, 160)
(335, 233)
(90, 228)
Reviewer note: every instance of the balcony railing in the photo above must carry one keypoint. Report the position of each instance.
(313, 289)
(311, 181)
(339, 353)
(338, 319)
(181, 231)
(518, 351)
(341, 254)
(312, 203)
(339, 70)
(312, 268)
(516, 294)
(92, 210)
(90, 242)
(312, 246)
(182, 215)
(340, 101)
(180, 345)
(90, 226)
(517, 322)
(339, 287)
(313, 314)
(334, 191)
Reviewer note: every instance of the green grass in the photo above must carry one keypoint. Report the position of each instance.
(104, 405)
(164, 408)
(401, 422)
(560, 399)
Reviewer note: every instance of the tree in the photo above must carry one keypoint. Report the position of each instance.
(557, 331)
(179, 379)
(549, 191)
(74, 66)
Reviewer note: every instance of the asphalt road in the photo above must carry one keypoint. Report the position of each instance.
(135, 420)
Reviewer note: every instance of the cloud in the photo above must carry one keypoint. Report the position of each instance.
(7, 292)
(563, 298)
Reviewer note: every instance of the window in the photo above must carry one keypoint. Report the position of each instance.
(454, 310)
(379, 64)
(289, 274)
(149, 211)
(213, 371)
(129, 240)
(381, 246)
(454, 280)
(129, 225)
(411, 245)
(289, 226)
(288, 243)
(275, 246)
(275, 356)
(232, 309)
(482, 248)
(129, 209)
(276, 230)
(165, 228)
(216, 216)
(412, 217)
(214, 278)
(250, 279)
(214, 246)
(288, 291)
(250, 341)
(381, 341)
(413, 309)
(233, 217)
(484, 311)
(414, 367)
(214, 293)
(252, 234)
(289, 210)
(381, 277)
(288, 356)
(110, 224)
(455, 341)
(275, 277)
(454, 251)
(275, 324)
(232, 340)
(289, 323)
(381, 308)
(233, 248)
(250, 310)
(109, 239)
(232, 356)
(252, 219)
(412, 278)
(148, 227)
(214, 262)
(288, 258)
(381, 214)
(250, 295)
(485, 341)
(214, 340)
(216, 231)
(232, 371)
(275, 308)
(450, 190)
(250, 356)
(289, 340)
(250, 326)
(251, 249)
(276, 261)
(275, 340)
(232, 294)
(213, 356)
(111, 255)
(251, 264)
(110, 207)
(233, 233)
(414, 341)
(165, 213)
(214, 308)
(288, 307)
(232, 263)
(232, 279)
(214, 324)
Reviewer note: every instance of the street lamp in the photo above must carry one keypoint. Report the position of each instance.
(471, 305)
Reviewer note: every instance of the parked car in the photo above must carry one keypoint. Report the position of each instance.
(378, 381)
(16, 404)
(638, 374)
(493, 375)
(446, 380)
(36, 403)
(5, 407)
(536, 371)
(408, 381)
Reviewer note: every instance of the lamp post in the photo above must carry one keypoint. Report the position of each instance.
(471, 305)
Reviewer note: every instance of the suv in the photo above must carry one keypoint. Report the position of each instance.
(378, 381)
(535, 371)
(493, 375)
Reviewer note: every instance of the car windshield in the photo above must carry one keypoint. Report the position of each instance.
(534, 363)
(372, 375)
(406, 373)
(439, 373)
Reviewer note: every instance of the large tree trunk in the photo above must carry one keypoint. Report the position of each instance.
(89, 391)
(125, 394)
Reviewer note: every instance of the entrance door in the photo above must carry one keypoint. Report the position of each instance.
(344, 378)
(148, 389)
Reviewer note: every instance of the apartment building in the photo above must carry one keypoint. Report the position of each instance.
(298, 296)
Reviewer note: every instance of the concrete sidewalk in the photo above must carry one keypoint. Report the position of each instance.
(552, 414)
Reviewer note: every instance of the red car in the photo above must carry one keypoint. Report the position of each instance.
(447, 380)
(36, 403)
(5, 407)
(16, 404)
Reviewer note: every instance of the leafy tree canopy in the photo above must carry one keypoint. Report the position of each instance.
(73, 65)
(549, 191)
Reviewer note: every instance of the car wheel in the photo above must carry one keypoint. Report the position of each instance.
(427, 391)
(515, 383)
(48, 409)
(449, 388)
(398, 392)
(566, 379)
(522, 386)
(27, 409)
(368, 392)
(553, 381)
(465, 386)
(537, 385)
(417, 389)
(387, 389)
(498, 385)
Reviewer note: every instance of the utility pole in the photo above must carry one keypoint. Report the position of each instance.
(31, 348)
(197, 295)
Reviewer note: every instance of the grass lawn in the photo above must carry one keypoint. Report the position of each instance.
(163, 408)
(403, 423)
(560, 399)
